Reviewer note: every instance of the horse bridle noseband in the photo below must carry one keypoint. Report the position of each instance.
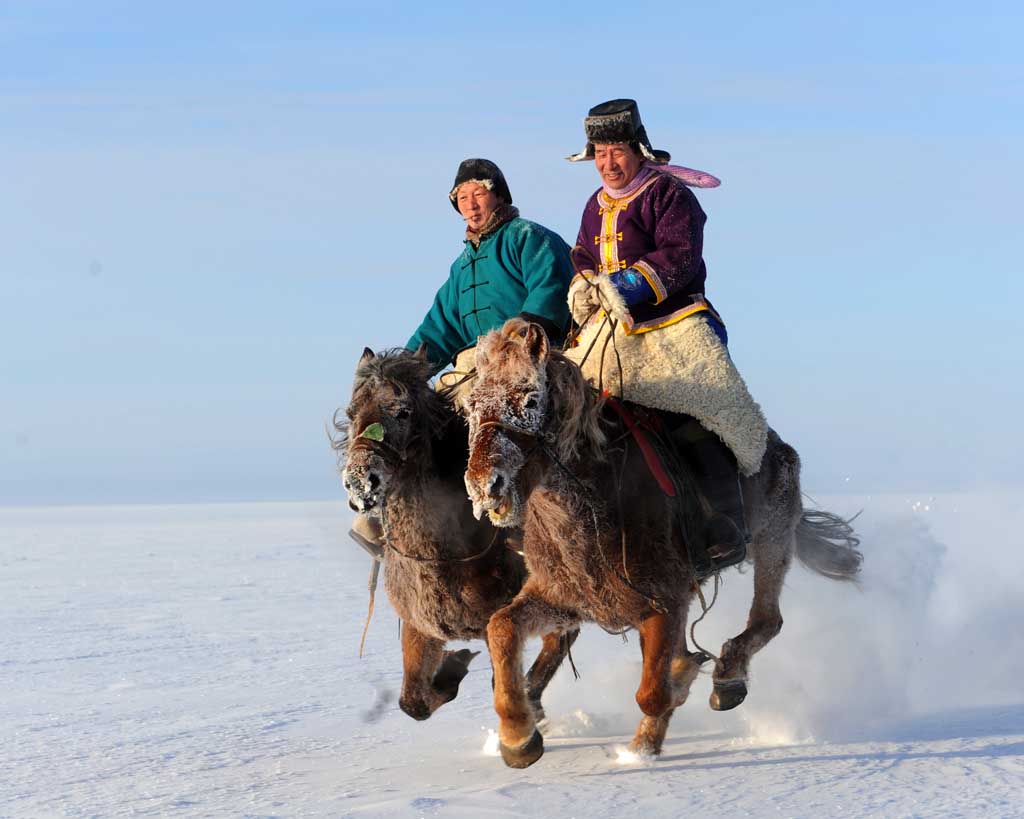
(543, 439)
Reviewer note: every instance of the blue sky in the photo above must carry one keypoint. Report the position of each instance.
(209, 209)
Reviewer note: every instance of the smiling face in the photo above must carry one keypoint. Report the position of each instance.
(476, 203)
(617, 163)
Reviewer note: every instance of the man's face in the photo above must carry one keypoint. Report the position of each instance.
(617, 163)
(476, 203)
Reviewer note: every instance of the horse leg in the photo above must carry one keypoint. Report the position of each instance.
(659, 643)
(772, 557)
(431, 675)
(683, 670)
(520, 741)
(553, 651)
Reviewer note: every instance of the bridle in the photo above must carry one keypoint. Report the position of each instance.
(543, 439)
(391, 455)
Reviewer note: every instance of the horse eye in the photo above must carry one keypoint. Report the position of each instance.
(530, 403)
(403, 413)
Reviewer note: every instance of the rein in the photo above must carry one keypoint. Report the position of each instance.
(431, 560)
(652, 600)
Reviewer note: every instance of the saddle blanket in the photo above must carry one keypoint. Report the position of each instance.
(681, 368)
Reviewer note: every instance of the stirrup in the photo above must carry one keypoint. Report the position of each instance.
(728, 551)
(731, 557)
(375, 550)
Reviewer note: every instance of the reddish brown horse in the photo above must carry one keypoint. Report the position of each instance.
(445, 573)
(603, 543)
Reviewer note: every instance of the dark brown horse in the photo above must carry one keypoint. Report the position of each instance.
(445, 573)
(603, 543)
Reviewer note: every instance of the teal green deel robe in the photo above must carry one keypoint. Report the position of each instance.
(521, 268)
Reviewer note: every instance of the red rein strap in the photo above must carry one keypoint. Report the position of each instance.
(653, 461)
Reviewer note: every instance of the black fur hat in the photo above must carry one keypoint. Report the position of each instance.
(617, 121)
(483, 172)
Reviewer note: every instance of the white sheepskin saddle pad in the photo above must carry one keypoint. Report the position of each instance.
(681, 368)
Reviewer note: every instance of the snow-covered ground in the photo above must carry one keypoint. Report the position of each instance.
(201, 661)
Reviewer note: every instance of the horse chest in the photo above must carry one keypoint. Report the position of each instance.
(436, 599)
(575, 576)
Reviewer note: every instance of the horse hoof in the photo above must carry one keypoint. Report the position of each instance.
(526, 754)
(700, 657)
(417, 709)
(645, 749)
(727, 694)
(452, 671)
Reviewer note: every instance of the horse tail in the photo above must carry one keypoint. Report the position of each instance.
(827, 544)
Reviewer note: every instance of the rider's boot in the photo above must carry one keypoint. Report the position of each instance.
(714, 467)
(369, 534)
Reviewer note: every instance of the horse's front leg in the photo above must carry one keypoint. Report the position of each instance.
(527, 615)
(553, 652)
(431, 675)
(668, 672)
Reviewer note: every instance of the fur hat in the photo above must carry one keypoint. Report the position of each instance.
(483, 172)
(617, 121)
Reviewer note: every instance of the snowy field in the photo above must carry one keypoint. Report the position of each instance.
(201, 661)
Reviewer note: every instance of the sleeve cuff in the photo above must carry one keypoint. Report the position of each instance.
(654, 280)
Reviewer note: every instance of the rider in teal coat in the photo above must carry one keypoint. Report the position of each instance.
(509, 267)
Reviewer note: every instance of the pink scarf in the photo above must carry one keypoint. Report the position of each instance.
(688, 176)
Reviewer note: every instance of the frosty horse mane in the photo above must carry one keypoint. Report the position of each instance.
(604, 544)
(576, 405)
(404, 450)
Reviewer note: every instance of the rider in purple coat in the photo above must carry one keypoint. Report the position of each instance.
(640, 249)
(655, 227)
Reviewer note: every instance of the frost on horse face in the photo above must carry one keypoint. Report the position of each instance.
(366, 478)
(501, 418)
(507, 412)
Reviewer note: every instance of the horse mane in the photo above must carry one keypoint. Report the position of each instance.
(575, 405)
(578, 406)
(408, 375)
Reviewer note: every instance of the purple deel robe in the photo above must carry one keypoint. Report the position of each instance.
(657, 227)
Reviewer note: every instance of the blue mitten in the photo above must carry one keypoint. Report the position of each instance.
(632, 286)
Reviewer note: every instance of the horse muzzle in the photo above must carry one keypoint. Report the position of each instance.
(497, 496)
(366, 483)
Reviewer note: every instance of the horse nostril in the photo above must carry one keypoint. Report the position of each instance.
(497, 484)
(373, 480)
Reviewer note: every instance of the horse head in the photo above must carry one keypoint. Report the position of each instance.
(527, 400)
(393, 414)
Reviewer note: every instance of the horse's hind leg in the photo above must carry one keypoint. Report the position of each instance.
(520, 742)
(772, 556)
(553, 651)
(431, 675)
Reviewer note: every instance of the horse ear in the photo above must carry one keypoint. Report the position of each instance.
(421, 352)
(366, 356)
(537, 342)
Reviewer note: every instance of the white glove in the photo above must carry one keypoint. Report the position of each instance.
(583, 300)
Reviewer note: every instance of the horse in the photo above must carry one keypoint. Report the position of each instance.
(604, 544)
(404, 451)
